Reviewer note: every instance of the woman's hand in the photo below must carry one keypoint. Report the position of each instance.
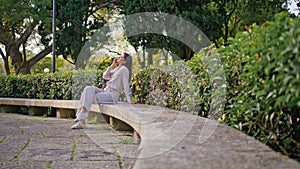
(114, 63)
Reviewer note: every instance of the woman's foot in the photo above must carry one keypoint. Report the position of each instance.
(81, 116)
(78, 125)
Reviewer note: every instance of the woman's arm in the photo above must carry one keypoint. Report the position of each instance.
(107, 74)
(125, 82)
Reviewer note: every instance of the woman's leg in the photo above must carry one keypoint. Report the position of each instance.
(107, 97)
(86, 100)
(88, 97)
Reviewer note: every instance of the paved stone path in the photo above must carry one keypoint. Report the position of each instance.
(44, 142)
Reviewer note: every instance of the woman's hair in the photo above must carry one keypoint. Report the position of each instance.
(128, 64)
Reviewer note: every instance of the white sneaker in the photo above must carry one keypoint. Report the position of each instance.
(78, 125)
(81, 116)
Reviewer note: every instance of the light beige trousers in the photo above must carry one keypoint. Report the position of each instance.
(92, 94)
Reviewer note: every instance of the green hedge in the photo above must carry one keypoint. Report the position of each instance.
(263, 76)
(155, 86)
(65, 86)
(173, 87)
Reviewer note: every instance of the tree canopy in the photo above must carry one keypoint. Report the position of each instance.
(218, 19)
(76, 21)
(21, 20)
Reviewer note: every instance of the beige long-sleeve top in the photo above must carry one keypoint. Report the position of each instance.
(118, 79)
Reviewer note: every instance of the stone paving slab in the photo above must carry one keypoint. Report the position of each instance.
(23, 165)
(43, 142)
(85, 164)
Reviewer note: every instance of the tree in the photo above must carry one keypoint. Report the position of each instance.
(19, 19)
(218, 19)
(76, 23)
(239, 14)
(189, 10)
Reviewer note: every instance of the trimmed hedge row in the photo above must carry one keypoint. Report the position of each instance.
(65, 86)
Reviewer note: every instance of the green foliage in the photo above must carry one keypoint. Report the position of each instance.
(82, 78)
(99, 63)
(156, 87)
(218, 19)
(173, 87)
(46, 62)
(76, 22)
(198, 67)
(263, 77)
(66, 86)
(196, 12)
(23, 20)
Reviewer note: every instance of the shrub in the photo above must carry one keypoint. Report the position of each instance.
(154, 86)
(263, 77)
(210, 80)
(174, 87)
(68, 85)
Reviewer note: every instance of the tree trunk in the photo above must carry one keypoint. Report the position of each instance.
(24, 69)
(5, 59)
(16, 57)
(20, 65)
(185, 54)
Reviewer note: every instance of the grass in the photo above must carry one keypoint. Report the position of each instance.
(73, 149)
(4, 138)
(21, 130)
(118, 156)
(43, 134)
(108, 128)
(83, 134)
(49, 165)
(126, 140)
(4, 115)
(92, 121)
(20, 152)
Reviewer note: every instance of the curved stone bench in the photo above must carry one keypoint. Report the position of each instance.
(179, 140)
(64, 108)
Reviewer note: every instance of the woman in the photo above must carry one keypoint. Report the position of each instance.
(118, 75)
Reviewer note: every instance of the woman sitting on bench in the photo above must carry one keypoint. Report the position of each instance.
(118, 76)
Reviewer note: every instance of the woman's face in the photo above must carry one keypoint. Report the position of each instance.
(121, 59)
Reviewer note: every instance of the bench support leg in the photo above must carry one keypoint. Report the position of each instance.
(135, 137)
(9, 109)
(119, 125)
(65, 113)
(37, 111)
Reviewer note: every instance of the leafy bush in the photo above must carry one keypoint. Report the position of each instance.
(65, 86)
(261, 69)
(210, 80)
(263, 76)
(10, 89)
(154, 86)
(174, 87)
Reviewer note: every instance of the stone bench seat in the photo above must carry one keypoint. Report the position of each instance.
(178, 140)
(64, 108)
